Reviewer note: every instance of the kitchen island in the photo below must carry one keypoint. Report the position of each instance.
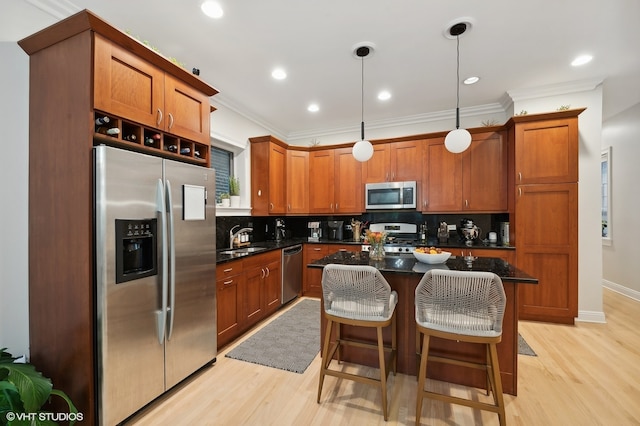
(403, 272)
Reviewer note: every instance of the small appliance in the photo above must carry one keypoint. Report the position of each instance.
(335, 229)
(504, 233)
(280, 230)
(469, 231)
(390, 195)
(315, 231)
(401, 237)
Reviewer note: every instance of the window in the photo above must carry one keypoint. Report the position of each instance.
(222, 162)
(605, 195)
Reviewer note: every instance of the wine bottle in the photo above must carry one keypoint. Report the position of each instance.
(100, 121)
(173, 148)
(196, 154)
(185, 151)
(148, 141)
(130, 137)
(111, 131)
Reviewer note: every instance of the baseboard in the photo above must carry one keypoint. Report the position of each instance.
(625, 291)
(591, 316)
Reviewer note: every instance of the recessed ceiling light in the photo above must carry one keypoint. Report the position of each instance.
(384, 95)
(279, 74)
(313, 108)
(471, 80)
(581, 60)
(212, 9)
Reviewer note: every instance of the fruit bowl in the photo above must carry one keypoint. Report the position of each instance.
(432, 259)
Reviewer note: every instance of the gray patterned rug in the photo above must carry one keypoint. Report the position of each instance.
(524, 348)
(290, 342)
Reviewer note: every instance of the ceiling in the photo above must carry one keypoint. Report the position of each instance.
(512, 45)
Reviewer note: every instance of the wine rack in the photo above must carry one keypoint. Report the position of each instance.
(115, 131)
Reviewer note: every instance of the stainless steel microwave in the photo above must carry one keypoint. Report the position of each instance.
(390, 195)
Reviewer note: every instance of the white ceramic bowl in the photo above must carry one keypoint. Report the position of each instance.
(432, 259)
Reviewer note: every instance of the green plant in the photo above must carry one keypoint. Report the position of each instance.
(224, 195)
(234, 185)
(23, 392)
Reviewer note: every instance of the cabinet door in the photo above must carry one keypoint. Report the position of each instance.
(312, 285)
(321, 181)
(277, 174)
(546, 151)
(484, 172)
(273, 286)
(297, 182)
(405, 161)
(229, 308)
(348, 191)
(377, 168)
(546, 248)
(186, 111)
(442, 178)
(126, 85)
(253, 296)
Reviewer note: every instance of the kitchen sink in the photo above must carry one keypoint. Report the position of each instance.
(242, 251)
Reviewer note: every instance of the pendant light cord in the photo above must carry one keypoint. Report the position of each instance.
(457, 82)
(362, 98)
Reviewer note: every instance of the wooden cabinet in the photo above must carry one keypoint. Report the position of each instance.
(321, 181)
(545, 176)
(268, 172)
(65, 92)
(335, 184)
(312, 284)
(473, 181)
(394, 161)
(229, 284)
(132, 88)
(297, 182)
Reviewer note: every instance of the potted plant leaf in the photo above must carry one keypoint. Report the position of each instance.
(24, 391)
(234, 191)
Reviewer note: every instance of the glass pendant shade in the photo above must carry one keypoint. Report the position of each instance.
(362, 150)
(457, 140)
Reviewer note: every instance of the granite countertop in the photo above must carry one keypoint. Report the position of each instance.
(407, 264)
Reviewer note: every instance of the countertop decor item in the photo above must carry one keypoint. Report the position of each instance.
(432, 258)
(376, 240)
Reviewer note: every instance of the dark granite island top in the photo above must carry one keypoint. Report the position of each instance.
(403, 272)
(407, 264)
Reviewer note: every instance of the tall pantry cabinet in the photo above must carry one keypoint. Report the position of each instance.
(544, 172)
(66, 95)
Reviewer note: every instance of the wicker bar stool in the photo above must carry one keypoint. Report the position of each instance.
(358, 296)
(463, 306)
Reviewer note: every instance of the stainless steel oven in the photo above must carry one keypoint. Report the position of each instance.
(390, 195)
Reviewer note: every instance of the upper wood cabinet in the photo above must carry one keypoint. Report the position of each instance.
(473, 181)
(394, 162)
(546, 152)
(321, 181)
(130, 87)
(335, 184)
(268, 172)
(297, 182)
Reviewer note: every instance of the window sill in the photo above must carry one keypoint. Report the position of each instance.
(233, 211)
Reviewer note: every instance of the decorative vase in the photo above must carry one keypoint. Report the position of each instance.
(226, 202)
(376, 251)
(235, 201)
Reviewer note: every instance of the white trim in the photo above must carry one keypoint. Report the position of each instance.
(625, 291)
(591, 316)
(233, 211)
(554, 89)
(59, 9)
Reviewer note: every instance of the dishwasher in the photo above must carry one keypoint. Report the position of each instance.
(291, 273)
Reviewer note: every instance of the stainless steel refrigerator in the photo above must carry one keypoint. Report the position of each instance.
(155, 276)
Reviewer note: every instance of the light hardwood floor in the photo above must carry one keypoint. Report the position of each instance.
(587, 374)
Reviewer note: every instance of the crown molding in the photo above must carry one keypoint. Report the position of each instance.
(59, 9)
(554, 89)
(222, 100)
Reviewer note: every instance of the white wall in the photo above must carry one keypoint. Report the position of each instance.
(589, 95)
(14, 179)
(619, 271)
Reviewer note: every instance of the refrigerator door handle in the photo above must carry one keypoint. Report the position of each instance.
(161, 314)
(172, 260)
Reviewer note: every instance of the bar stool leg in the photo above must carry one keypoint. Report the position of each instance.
(422, 377)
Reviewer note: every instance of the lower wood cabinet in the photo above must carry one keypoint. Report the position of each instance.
(248, 290)
(312, 284)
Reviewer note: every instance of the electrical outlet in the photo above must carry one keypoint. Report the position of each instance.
(451, 227)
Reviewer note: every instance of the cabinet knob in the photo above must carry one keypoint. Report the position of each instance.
(170, 121)
(160, 116)
(259, 192)
(227, 282)
(520, 176)
(270, 206)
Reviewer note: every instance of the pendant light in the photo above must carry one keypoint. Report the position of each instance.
(459, 139)
(362, 150)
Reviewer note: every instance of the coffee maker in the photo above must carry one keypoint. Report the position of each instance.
(280, 230)
(335, 229)
(315, 231)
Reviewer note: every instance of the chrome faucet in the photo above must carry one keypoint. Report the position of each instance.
(233, 235)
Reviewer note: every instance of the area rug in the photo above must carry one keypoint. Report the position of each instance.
(524, 348)
(290, 342)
